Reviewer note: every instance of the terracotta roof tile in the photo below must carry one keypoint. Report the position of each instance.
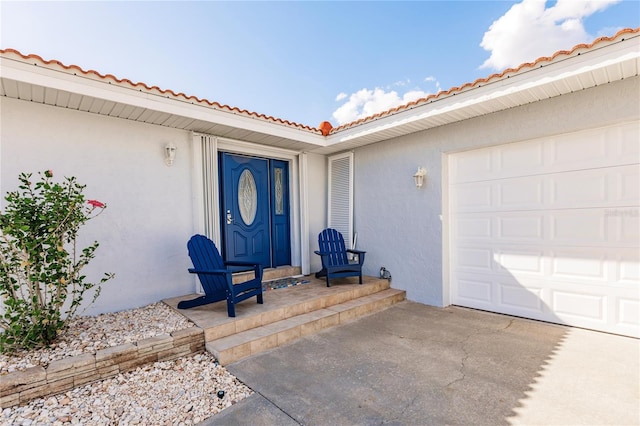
(325, 127)
(75, 69)
(479, 82)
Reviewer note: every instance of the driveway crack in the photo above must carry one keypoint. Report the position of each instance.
(401, 414)
(463, 362)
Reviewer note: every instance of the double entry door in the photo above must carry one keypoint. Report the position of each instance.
(254, 200)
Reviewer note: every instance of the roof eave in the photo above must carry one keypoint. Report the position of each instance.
(599, 65)
(78, 84)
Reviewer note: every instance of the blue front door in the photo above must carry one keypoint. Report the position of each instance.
(280, 230)
(245, 209)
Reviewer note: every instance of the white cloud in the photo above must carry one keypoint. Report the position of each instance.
(341, 96)
(530, 30)
(367, 102)
(402, 83)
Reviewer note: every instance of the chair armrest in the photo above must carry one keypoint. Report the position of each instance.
(356, 251)
(321, 253)
(243, 266)
(209, 271)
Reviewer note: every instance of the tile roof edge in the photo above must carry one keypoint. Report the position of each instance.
(482, 80)
(138, 85)
(325, 128)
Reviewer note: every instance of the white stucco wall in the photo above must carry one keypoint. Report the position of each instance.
(149, 218)
(317, 204)
(400, 226)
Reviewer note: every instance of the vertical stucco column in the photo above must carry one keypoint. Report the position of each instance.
(304, 214)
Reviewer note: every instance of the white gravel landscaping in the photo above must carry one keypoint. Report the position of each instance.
(177, 392)
(89, 334)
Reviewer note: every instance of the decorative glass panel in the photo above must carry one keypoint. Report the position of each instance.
(278, 188)
(247, 197)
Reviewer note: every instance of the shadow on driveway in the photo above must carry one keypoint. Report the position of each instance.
(419, 365)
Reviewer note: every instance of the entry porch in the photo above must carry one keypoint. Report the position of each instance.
(294, 306)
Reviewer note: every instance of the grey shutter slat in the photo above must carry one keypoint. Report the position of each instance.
(210, 185)
(340, 215)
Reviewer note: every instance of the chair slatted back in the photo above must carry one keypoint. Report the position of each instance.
(331, 241)
(205, 256)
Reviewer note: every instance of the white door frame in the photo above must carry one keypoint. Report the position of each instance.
(298, 192)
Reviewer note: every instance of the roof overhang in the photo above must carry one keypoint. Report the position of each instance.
(596, 66)
(34, 80)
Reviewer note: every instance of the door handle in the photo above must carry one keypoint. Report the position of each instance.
(229, 218)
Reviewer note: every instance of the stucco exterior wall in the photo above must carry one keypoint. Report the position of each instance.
(317, 204)
(401, 226)
(150, 214)
(149, 218)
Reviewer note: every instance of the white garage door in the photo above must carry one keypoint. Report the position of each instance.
(549, 229)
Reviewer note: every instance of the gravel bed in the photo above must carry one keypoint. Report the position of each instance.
(89, 334)
(178, 392)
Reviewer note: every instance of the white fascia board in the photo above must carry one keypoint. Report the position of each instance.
(616, 54)
(87, 86)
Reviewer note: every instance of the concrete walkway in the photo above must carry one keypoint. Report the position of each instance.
(418, 365)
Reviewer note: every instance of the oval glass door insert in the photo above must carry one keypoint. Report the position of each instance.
(247, 197)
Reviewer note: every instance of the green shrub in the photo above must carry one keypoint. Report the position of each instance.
(41, 280)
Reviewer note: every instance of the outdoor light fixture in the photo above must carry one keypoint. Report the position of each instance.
(419, 176)
(169, 154)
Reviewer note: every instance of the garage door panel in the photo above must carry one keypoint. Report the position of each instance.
(608, 187)
(628, 136)
(471, 166)
(520, 227)
(519, 261)
(610, 227)
(473, 228)
(579, 305)
(629, 227)
(628, 313)
(594, 148)
(580, 227)
(574, 151)
(474, 197)
(475, 259)
(619, 267)
(511, 159)
(550, 229)
(628, 268)
(572, 264)
(523, 300)
(629, 184)
(520, 194)
(579, 189)
(604, 187)
(475, 290)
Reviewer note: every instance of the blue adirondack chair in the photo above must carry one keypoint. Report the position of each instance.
(335, 259)
(216, 276)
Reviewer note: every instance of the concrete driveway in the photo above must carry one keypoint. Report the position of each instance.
(419, 365)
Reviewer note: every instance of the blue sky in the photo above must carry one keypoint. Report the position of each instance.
(302, 61)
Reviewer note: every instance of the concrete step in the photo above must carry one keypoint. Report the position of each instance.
(281, 304)
(255, 340)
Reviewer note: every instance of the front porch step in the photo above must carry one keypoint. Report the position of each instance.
(252, 341)
(279, 305)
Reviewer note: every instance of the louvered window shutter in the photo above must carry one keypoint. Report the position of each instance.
(340, 215)
(210, 187)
